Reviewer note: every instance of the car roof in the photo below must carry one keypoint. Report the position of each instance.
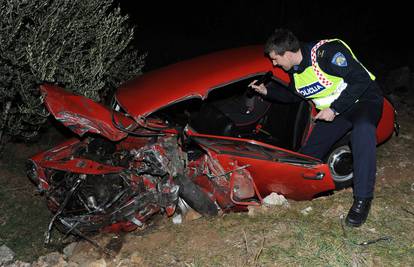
(193, 78)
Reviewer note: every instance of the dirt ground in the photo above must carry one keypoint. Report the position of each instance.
(266, 236)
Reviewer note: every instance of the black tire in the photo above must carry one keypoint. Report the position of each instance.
(195, 197)
(339, 159)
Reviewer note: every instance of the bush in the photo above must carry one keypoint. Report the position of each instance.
(84, 46)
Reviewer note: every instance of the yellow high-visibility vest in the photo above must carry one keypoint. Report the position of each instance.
(317, 85)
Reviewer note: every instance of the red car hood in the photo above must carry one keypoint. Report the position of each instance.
(82, 115)
(192, 78)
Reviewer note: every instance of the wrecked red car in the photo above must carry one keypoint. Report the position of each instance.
(189, 134)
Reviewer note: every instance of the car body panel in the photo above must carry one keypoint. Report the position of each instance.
(193, 78)
(81, 114)
(385, 126)
(273, 169)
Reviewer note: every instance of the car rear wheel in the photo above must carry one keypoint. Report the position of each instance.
(340, 161)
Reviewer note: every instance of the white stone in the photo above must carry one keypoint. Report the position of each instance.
(275, 199)
(6, 255)
(306, 211)
(177, 219)
(98, 263)
(68, 250)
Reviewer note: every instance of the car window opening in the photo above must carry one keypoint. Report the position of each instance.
(234, 110)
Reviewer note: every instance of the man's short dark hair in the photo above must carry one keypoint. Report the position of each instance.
(280, 41)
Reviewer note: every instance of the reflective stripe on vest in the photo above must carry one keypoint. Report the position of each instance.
(320, 87)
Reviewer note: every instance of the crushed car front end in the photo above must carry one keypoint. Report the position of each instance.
(97, 185)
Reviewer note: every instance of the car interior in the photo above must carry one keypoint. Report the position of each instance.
(235, 110)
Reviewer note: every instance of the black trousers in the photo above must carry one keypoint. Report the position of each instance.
(362, 119)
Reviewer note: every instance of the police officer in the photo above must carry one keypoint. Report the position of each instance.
(347, 97)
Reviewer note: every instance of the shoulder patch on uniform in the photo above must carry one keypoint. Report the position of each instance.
(339, 60)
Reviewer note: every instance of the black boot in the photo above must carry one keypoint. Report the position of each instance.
(358, 212)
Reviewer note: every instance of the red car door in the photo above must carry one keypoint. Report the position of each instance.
(273, 169)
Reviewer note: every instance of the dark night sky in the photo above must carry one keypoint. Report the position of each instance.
(174, 30)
